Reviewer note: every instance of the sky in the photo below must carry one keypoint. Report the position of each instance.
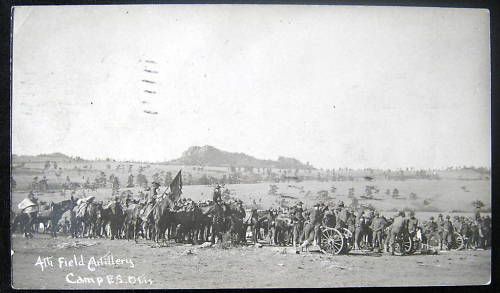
(336, 86)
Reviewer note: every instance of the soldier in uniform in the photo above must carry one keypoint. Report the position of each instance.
(329, 217)
(378, 225)
(487, 231)
(32, 197)
(430, 228)
(297, 218)
(465, 231)
(311, 227)
(153, 193)
(358, 228)
(412, 224)
(475, 233)
(341, 216)
(440, 231)
(447, 232)
(217, 197)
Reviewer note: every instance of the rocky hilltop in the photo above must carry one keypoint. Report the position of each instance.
(211, 156)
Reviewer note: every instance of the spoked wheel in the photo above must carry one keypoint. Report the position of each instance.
(407, 243)
(332, 241)
(458, 241)
(348, 239)
(403, 245)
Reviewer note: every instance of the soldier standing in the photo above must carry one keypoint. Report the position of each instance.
(341, 216)
(465, 231)
(316, 219)
(447, 232)
(358, 228)
(297, 218)
(440, 230)
(329, 218)
(431, 228)
(378, 225)
(412, 224)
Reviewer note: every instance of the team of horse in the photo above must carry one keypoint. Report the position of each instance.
(166, 219)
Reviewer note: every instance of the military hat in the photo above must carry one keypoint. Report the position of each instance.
(431, 218)
(440, 215)
(412, 213)
(447, 216)
(341, 204)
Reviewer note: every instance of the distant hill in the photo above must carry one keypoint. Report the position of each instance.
(211, 156)
(57, 157)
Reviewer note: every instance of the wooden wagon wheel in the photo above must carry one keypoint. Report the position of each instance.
(458, 241)
(407, 243)
(403, 245)
(332, 241)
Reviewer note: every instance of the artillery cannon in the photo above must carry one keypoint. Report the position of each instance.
(335, 241)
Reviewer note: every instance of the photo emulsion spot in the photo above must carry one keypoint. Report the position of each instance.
(250, 146)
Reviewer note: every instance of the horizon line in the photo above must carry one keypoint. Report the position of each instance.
(312, 166)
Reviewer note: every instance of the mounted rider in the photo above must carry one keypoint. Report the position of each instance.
(31, 196)
(153, 192)
(217, 196)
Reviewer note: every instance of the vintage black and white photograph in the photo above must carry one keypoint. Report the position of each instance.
(250, 146)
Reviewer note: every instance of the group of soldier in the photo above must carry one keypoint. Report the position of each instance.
(370, 229)
(374, 231)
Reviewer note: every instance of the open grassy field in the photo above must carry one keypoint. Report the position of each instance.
(190, 266)
(442, 195)
(455, 191)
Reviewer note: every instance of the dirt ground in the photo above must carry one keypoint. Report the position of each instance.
(191, 266)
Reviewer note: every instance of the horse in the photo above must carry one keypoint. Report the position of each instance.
(218, 221)
(204, 221)
(56, 212)
(185, 221)
(114, 216)
(87, 218)
(132, 221)
(27, 219)
(236, 214)
(162, 217)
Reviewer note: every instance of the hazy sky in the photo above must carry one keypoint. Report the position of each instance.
(333, 85)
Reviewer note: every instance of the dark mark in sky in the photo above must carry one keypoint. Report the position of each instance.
(150, 92)
(150, 112)
(150, 71)
(148, 81)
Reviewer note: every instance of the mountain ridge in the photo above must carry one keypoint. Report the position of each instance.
(210, 156)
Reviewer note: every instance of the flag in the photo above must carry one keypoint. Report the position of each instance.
(176, 187)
